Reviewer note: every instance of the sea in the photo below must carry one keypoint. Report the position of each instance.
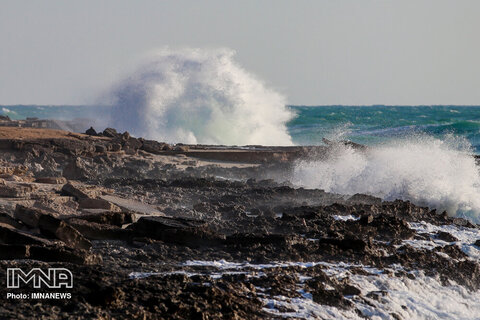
(368, 125)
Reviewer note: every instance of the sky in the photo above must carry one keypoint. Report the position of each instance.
(314, 52)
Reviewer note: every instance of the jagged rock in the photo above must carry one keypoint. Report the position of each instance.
(115, 147)
(109, 217)
(51, 180)
(80, 191)
(53, 227)
(76, 170)
(180, 148)
(153, 146)
(5, 218)
(176, 230)
(364, 199)
(445, 236)
(29, 215)
(91, 132)
(97, 231)
(16, 191)
(10, 235)
(110, 132)
(100, 148)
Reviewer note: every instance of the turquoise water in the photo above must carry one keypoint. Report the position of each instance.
(368, 125)
(371, 125)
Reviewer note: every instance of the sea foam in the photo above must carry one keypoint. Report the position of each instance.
(440, 174)
(199, 96)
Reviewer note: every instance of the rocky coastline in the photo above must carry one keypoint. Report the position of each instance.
(151, 230)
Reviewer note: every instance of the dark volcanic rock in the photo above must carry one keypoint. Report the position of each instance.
(91, 132)
(111, 133)
(176, 230)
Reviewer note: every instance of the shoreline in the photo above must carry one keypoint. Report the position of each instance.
(153, 230)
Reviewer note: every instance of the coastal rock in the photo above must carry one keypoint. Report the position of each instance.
(80, 191)
(89, 203)
(110, 132)
(10, 235)
(56, 228)
(176, 230)
(91, 132)
(63, 254)
(51, 180)
(114, 218)
(98, 231)
(30, 216)
(16, 191)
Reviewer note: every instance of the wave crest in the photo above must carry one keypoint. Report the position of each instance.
(200, 96)
(441, 174)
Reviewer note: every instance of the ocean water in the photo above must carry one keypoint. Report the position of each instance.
(373, 125)
(369, 125)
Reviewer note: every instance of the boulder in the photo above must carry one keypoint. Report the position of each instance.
(10, 235)
(7, 219)
(176, 230)
(29, 215)
(97, 231)
(153, 146)
(111, 133)
(80, 191)
(56, 228)
(91, 132)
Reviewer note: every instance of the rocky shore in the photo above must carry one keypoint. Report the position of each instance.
(151, 230)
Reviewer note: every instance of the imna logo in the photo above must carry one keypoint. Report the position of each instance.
(53, 278)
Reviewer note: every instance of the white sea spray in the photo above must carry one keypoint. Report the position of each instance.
(199, 96)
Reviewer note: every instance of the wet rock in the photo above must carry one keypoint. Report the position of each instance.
(354, 244)
(364, 199)
(446, 236)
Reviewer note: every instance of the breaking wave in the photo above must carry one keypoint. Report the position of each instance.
(200, 96)
(441, 174)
